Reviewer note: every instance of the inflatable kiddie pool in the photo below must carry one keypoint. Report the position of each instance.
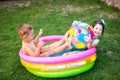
(59, 66)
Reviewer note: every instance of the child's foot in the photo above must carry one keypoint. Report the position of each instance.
(66, 36)
(69, 46)
(70, 39)
(74, 22)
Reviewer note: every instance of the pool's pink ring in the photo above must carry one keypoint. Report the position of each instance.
(59, 59)
(51, 38)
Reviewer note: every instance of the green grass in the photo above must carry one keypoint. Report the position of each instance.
(55, 17)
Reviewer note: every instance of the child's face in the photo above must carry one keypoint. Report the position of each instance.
(30, 36)
(98, 29)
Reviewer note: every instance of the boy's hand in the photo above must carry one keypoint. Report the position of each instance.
(87, 39)
(41, 31)
(41, 43)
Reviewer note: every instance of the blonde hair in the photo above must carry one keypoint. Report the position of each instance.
(24, 30)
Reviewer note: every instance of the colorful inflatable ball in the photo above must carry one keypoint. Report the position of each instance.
(79, 31)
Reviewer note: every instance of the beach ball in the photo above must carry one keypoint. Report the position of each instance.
(79, 31)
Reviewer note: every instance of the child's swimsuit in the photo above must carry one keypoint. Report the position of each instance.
(95, 38)
(41, 52)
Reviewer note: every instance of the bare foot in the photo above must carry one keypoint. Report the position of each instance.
(68, 43)
(70, 39)
(66, 35)
(69, 53)
(74, 22)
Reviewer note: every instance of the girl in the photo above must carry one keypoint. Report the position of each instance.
(98, 29)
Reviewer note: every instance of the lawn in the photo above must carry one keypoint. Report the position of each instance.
(55, 17)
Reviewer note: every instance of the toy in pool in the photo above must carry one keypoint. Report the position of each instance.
(59, 66)
(79, 31)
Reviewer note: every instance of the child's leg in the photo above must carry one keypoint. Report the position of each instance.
(53, 45)
(55, 50)
(60, 42)
(70, 41)
(47, 47)
(47, 53)
(56, 44)
(61, 45)
(69, 53)
(60, 48)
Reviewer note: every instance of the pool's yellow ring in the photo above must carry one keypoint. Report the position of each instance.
(63, 73)
(60, 66)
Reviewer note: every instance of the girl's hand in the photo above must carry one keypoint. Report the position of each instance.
(88, 39)
(41, 31)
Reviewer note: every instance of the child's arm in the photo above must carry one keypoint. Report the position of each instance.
(89, 41)
(36, 53)
(95, 42)
(89, 45)
(38, 36)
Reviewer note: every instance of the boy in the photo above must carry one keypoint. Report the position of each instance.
(32, 47)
